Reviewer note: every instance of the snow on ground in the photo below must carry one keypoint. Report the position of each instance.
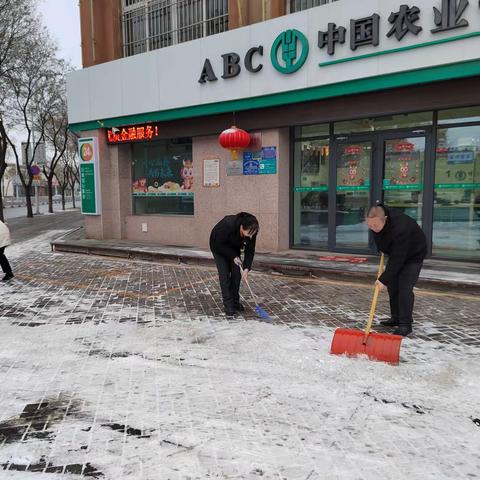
(210, 398)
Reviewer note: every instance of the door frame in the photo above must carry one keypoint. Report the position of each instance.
(376, 179)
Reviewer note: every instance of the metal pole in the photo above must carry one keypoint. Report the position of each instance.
(37, 200)
(37, 194)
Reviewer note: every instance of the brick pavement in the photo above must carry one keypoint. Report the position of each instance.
(121, 369)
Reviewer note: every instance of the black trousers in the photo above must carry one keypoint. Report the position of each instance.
(401, 293)
(4, 262)
(230, 277)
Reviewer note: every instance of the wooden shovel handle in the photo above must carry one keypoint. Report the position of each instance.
(374, 301)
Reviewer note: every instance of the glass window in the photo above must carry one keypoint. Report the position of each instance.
(310, 131)
(152, 24)
(162, 176)
(310, 204)
(390, 122)
(456, 213)
(459, 115)
(299, 5)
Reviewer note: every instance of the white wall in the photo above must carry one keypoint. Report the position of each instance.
(168, 78)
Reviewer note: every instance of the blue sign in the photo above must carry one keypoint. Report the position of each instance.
(269, 152)
(465, 156)
(251, 165)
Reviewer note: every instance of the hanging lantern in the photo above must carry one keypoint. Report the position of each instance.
(234, 139)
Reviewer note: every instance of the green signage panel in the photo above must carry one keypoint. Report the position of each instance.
(352, 188)
(87, 182)
(163, 194)
(321, 188)
(467, 186)
(411, 186)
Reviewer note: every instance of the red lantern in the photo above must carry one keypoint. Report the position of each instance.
(234, 139)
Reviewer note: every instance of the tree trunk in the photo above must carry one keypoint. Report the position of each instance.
(50, 194)
(63, 198)
(73, 195)
(28, 198)
(1, 206)
(2, 172)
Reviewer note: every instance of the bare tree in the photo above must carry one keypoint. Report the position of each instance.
(61, 174)
(74, 177)
(17, 23)
(3, 163)
(67, 172)
(54, 112)
(29, 87)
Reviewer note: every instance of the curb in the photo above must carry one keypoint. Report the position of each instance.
(291, 269)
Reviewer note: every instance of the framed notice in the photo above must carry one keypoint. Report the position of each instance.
(211, 172)
(234, 168)
(89, 176)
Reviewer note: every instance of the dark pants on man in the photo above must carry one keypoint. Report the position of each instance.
(4, 262)
(401, 293)
(230, 277)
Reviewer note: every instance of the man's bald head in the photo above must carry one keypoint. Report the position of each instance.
(376, 218)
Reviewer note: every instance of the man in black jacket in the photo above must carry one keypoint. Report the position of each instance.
(400, 237)
(228, 238)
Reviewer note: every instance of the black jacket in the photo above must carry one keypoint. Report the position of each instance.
(402, 240)
(225, 240)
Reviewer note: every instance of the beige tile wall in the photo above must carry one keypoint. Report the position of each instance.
(266, 196)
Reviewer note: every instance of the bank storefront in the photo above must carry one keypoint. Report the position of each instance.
(426, 164)
(346, 104)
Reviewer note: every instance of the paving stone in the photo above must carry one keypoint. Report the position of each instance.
(124, 369)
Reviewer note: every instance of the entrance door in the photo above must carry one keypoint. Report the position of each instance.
(403, 158)
(389, 167)
(353, 160)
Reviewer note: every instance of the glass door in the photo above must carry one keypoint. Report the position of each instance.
(310, 194)
(403, 173)
(353, 160)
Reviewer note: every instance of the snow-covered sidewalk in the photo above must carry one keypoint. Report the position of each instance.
(127, 370)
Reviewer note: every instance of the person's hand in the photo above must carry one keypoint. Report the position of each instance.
(238, 262)
(245, 274)
(380, 285)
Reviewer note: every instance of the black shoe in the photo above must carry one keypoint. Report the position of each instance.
(239, 307)
(7, 277)
(403, 330)
(230, 313)
(393, 322)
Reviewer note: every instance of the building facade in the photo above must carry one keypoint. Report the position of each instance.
(346, 103)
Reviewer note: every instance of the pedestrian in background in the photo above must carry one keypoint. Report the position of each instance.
(228, 237)
(401, 238)
(4, 242)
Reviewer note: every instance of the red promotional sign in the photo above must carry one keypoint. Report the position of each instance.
(134, 133)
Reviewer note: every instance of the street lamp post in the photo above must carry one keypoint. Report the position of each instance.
(37, 193)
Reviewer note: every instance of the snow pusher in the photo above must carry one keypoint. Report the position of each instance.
(377, 346)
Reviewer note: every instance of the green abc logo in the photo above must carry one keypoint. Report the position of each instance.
(289, 42)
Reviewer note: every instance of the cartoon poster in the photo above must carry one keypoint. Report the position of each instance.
(402, 164)
(167, 175)
(353, 166)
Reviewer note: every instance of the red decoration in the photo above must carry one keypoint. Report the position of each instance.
(234, 139)
(352, 150)
(404, 147)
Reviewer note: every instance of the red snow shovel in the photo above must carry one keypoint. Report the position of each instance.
(377, 346)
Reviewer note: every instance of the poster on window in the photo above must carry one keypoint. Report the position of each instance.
(165, 176)
(353, 167)
(403, 165)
